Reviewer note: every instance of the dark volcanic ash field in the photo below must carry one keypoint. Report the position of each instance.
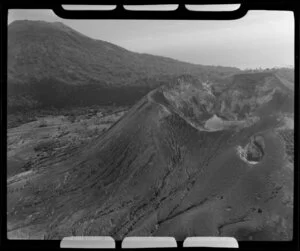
(191, 158)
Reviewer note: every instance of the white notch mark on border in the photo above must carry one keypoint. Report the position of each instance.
(78, 7)
(152, 7)
(88, 242)
(216, 242)
(149, 242)
(213, 7)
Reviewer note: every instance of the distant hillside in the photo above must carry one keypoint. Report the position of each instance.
(50, 64)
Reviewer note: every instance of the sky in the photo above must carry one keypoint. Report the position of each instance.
(259, 39)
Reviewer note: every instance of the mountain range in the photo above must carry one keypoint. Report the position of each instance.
(52, 65)
(203, 151)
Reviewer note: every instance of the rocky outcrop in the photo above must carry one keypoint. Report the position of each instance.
(253, 152)
(255, 149)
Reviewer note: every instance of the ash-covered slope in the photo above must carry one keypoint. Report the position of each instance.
(166, 168)
(50, 64)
